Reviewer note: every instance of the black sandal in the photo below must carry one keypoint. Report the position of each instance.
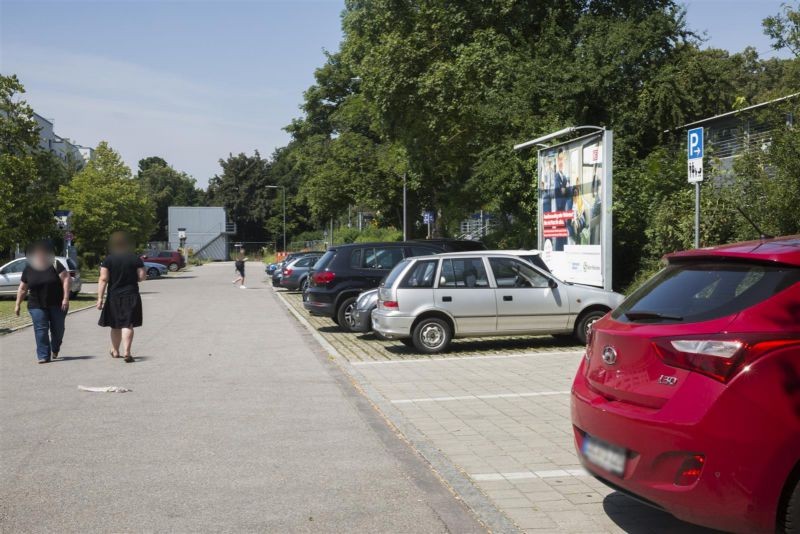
(129, 359)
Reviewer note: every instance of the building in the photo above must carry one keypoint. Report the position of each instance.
(730, 134)
(62, 147)
(207, 230)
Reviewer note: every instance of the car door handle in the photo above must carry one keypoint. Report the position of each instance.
(508, 298)
(447, 299)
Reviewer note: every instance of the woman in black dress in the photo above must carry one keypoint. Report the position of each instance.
(121, 272)
(46, 282)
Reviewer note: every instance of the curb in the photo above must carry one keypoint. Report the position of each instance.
(70, 312)
(450, 475)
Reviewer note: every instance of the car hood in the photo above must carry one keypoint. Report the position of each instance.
(595, 295)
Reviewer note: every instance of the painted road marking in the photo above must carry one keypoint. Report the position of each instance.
(466, 358)
(481, 397)
(525, 475)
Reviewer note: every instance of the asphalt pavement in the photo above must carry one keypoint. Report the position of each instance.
(237, 421)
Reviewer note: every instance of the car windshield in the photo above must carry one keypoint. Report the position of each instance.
(693, 292)
(394, 273)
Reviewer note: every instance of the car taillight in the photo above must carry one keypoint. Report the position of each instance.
(73, 273)
(720, 357)
(287, 272)
(389, 304)
(323, 277)
(690, 470)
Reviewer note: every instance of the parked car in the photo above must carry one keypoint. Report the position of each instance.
(295, 273)
(171, 258)
(367, 301)
(688, 397)
(11, 272)
(345, 270)
(451, 245)
(427, 301)
(155, 270)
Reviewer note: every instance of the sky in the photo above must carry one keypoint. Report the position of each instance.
(194, 80)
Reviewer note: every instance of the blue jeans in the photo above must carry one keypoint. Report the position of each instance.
(48, 327)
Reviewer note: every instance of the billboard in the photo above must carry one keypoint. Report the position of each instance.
(574, 216)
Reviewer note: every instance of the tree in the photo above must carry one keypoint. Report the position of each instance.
(784, 29)
(29, 176)
(104, 198)
(166, 187)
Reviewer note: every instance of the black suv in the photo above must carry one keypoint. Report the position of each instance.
(344, 271)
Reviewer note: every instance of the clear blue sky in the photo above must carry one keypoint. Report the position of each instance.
(192, 81)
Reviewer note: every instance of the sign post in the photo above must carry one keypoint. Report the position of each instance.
(427, 218)
(695, 172)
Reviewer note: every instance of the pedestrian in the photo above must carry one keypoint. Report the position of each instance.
(239, 266)
(120, 272)
(46, 283)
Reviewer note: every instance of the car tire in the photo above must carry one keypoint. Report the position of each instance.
(73, 294)
(303, 285)
(345, 314)
(790, 522)
(585, 320)
(173, 267)
(152, 272)
(431, 335)
(407, 341)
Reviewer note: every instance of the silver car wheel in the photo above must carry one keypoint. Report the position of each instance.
(432, 335)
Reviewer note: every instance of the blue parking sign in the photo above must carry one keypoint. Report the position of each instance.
(695, 144)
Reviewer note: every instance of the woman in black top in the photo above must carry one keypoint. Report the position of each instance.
(121, 272)
(239, 266)
(46, 283)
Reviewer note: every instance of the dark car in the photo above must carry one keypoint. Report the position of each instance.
(346, 270)
(171, 258)
(295, 272)
(275, 270)
(452, 245)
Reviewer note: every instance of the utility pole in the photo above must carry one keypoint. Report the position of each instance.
(405, 210)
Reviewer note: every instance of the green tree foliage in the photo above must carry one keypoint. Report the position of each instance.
(166, 187)
(29, 176)
(104, 198)
(784, 29)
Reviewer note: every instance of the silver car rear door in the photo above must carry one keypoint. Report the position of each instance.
(464, 291)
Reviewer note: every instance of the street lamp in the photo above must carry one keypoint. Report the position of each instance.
(283, 196)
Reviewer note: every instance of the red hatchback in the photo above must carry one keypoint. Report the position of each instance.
(171, 258)
(688, 397)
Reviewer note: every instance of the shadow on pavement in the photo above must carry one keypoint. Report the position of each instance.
(333, 329)
(495, 344)
(638, 518)
(68, 358)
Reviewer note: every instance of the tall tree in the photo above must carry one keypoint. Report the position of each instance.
(29, 176)
(104, 198)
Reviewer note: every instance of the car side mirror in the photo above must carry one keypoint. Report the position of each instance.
(552, 283)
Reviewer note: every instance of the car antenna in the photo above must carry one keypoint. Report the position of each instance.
(754, 225)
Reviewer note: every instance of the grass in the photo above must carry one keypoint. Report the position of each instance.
(90, 276)
(9, 321)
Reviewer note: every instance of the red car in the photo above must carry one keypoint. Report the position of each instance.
(172, 259)
(688, 396)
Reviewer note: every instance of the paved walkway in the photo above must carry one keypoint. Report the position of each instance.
(498, 411)
(236, 422)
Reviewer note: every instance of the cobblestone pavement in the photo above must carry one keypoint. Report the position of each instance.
(365, 347)
(499, 410)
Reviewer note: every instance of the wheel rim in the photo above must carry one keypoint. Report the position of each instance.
(349, 319)
(304, 286)
(173, 267)
(153, 273)
(589, 325)
(432, 335)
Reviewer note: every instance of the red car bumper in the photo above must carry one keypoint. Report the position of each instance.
(734, 490)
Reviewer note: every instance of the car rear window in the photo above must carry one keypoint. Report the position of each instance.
(693, 292)
(394, 273)
(324, 260)
(422, 274)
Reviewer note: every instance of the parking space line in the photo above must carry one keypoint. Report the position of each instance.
(466, 358)
(481, 397)
(527, 475)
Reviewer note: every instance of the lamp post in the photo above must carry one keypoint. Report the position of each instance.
(283, 197)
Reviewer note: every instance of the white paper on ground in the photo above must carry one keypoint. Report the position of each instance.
(104, 389)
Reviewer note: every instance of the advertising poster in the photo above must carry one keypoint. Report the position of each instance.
(574, 215)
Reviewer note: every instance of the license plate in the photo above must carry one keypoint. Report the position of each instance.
(604, 455)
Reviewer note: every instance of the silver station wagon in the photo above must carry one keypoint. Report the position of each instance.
(427, 301)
